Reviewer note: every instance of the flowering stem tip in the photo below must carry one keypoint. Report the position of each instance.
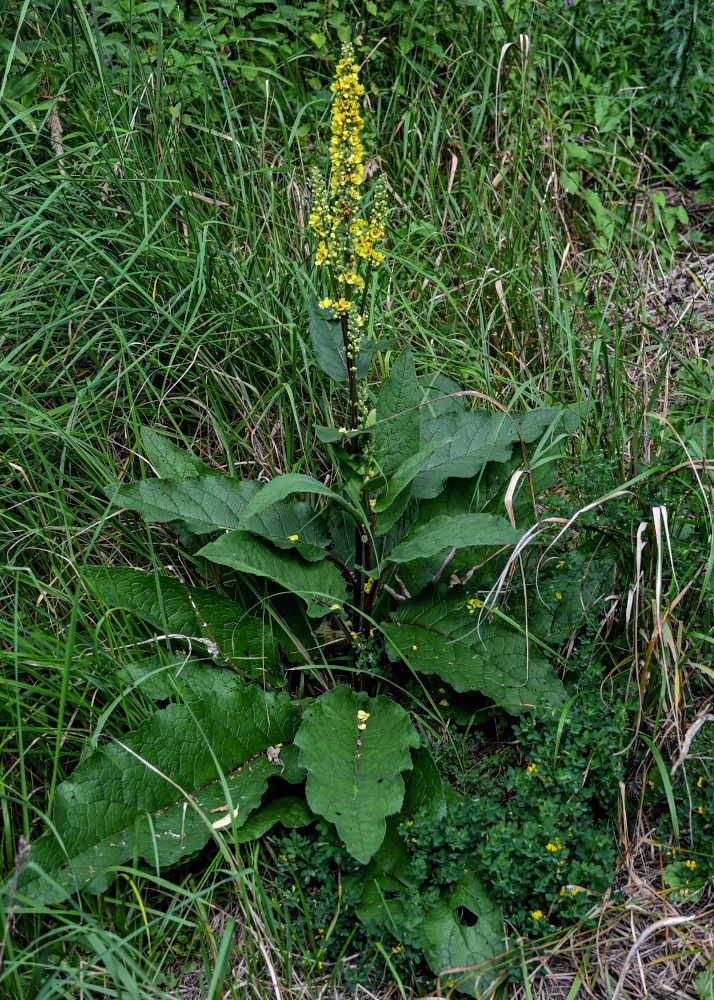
(348, 241)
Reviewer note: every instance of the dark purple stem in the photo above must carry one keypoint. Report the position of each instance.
(444, 565)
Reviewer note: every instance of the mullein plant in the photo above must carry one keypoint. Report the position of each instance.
(421, 489)
(349, 245)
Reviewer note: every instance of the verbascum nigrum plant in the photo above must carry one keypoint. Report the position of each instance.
(322, 622)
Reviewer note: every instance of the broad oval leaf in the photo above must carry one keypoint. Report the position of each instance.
(464, 950)
(403, 477)
(355, 774)
(201, 617)
(284, 486)
(497, 663)
(396, 432)
(328, 345)
(169, 461)
(454, 532)
(161, 792)
(242, 551)
(467, 439)
(291, 811)
(204, 503)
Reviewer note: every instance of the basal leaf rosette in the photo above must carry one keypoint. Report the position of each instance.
(354, 750)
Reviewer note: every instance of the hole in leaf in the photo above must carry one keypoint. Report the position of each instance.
(466, 917)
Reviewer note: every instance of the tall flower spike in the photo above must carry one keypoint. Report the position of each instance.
(347, 242)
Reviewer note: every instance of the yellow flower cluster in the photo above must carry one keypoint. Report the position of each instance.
(362, 717)
(369, 235)
(346, 150)
(344, 239)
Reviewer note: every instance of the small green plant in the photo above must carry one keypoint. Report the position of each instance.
(366, 589)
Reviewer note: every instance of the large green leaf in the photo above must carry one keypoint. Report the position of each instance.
(397, 432)
(424, 790)
(395, 496)
(293, 524)
(460, 949)
(354, 774)
(210, 503)
(533, 424)
(201, 617)
(168, 461)
(327, 341)
(163, 790)
(442, 394)
(467, 440)
(204, 504)
(440, 534)
(442, 637)
(242, 551)
(284, 486)
(403, 476)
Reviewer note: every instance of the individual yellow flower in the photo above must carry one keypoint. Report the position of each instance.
(293, 538)
(368, 585)
(537, 914)
(700, 781)
(325, 303)
(444, 703)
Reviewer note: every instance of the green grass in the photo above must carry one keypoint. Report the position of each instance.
(155, 271)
